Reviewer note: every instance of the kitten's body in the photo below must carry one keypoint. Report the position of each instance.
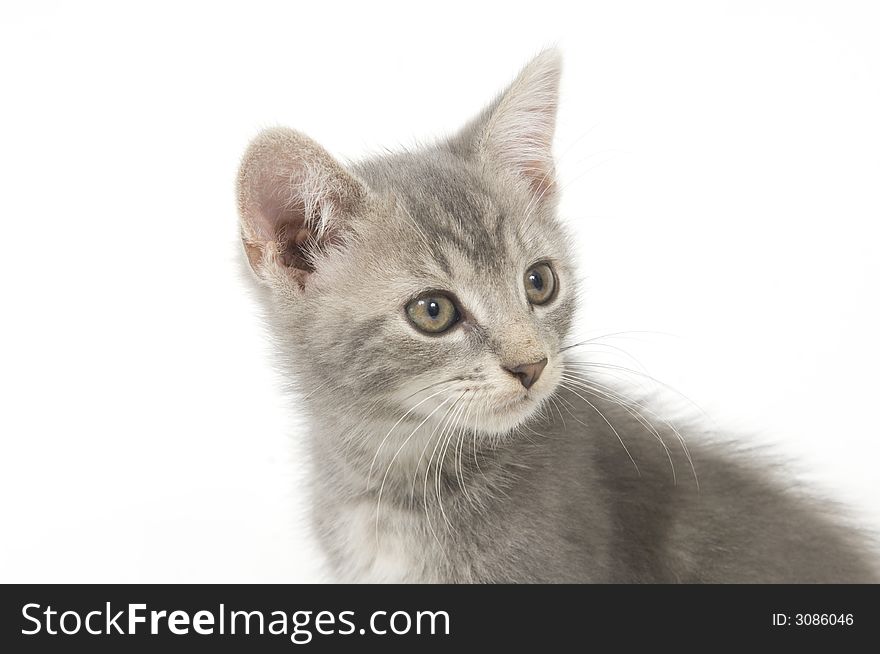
(435, 458)
(564, 503)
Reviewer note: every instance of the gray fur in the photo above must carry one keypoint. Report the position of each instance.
(430, 461)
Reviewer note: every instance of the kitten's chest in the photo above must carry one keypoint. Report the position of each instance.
(396, 549)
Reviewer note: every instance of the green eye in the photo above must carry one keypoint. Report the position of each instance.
(540, 283)
(432, 313)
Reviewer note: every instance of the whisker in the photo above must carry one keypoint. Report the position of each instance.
(440, 438)
(602, 415)
(378, 449)
(388, 469)
(616, 349)
(438, 478)
(474, 442)
(677, 432)
(611, 366)
(620, 397)
(412, 493)
(446, 426)
(459, 450)
(612, 334)
(424, 388)
(639, 418)
(555, 404)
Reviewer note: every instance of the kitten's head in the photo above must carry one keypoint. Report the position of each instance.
(434, 280)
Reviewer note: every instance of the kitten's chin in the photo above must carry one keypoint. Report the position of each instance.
(508, 416)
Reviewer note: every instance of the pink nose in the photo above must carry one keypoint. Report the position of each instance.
(528, 373)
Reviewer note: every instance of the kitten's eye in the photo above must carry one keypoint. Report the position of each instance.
(432, 313)
(540, 283)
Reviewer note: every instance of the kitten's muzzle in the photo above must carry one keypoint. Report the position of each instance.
(528, 373)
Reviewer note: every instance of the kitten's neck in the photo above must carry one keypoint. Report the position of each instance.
(440, 512)
(409, 463)
(395, 518)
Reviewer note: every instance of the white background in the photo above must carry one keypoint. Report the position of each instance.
(720, 163)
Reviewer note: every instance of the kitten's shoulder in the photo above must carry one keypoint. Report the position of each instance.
(690, 508)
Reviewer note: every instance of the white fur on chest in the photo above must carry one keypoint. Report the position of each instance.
(395, 553)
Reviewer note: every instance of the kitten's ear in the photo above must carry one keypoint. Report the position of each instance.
(516, 131)
(294, 201)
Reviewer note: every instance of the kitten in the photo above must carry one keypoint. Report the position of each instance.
(421, 302)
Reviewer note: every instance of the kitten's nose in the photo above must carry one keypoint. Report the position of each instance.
(528, 373)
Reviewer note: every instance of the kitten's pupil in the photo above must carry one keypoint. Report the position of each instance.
(536, 281)
(433, 309)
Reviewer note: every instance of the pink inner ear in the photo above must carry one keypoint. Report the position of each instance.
(294, 199)
(281, 219)
(293, 240)
(294, 232)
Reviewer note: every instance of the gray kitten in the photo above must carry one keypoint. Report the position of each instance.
(421, 302)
